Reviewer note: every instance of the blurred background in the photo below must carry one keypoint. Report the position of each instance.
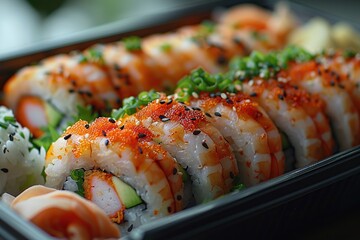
(27, 22)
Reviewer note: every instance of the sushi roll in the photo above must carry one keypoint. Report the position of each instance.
(340, 104)
(254, 139)
(118, 168)
(299, 115)
(186, 134)
(256, 28)
(50, 92)
(21, 164)
(63, 214)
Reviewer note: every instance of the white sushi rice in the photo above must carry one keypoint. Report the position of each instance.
(21, 164)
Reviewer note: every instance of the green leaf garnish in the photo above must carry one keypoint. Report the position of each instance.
(78, 176)
(132, 104)
(50, 135)
(132, 43)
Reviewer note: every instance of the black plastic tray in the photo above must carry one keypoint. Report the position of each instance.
(287, 207)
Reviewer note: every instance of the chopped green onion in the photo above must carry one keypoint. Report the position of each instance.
(166, 47)
(132, 104)
(201, 81)
(132, 43)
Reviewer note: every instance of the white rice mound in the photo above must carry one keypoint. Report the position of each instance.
(21, 164)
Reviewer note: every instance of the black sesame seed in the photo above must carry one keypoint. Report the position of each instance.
(186, 108)
(140, 150)
(141, 135)
(196, 109)
(204, 144)
(281, 97)
(253, 94)
(175, 171)
(104, 133)
(112, 120)
(196, 132)
(71, 91)
(208, 114)
(67, 137)
(11, 137)
(229, 101)
(5, 170)
(107, 142)
(5, 149)
(169, 102)
(221, 60)
(162, 101)
(89, 94)
(122, 127)
(169, 209)
(130, 228)
(217, 114)
(193, 119)
(87, 126)
(179, 197)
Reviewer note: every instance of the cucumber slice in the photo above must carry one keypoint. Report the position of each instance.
(185, 175)
(126, 193)
(285, 141)
(53, 115)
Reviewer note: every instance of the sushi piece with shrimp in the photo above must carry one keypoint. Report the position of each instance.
(131, 178)
(341, 102)
(198, 146)
(299, 115)
(50, 92)
(63, 214)
(254, 139)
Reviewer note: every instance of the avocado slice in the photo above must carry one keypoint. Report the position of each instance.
(127, 194)
(53, 115)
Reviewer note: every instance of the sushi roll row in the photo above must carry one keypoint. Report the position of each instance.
(51, 92)
(159, 154)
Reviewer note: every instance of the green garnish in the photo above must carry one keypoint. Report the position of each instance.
(348, 53)
(78, 176)
(50, 135)
(85, 113)
(92, 55)
(131, 104)
(43, 174)
(266, 65)
(166, 47)
(237, 184)
(293, 53)
(132, 43)
(201, 81)
(206, 28)
(4, 125)
(9, 119)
